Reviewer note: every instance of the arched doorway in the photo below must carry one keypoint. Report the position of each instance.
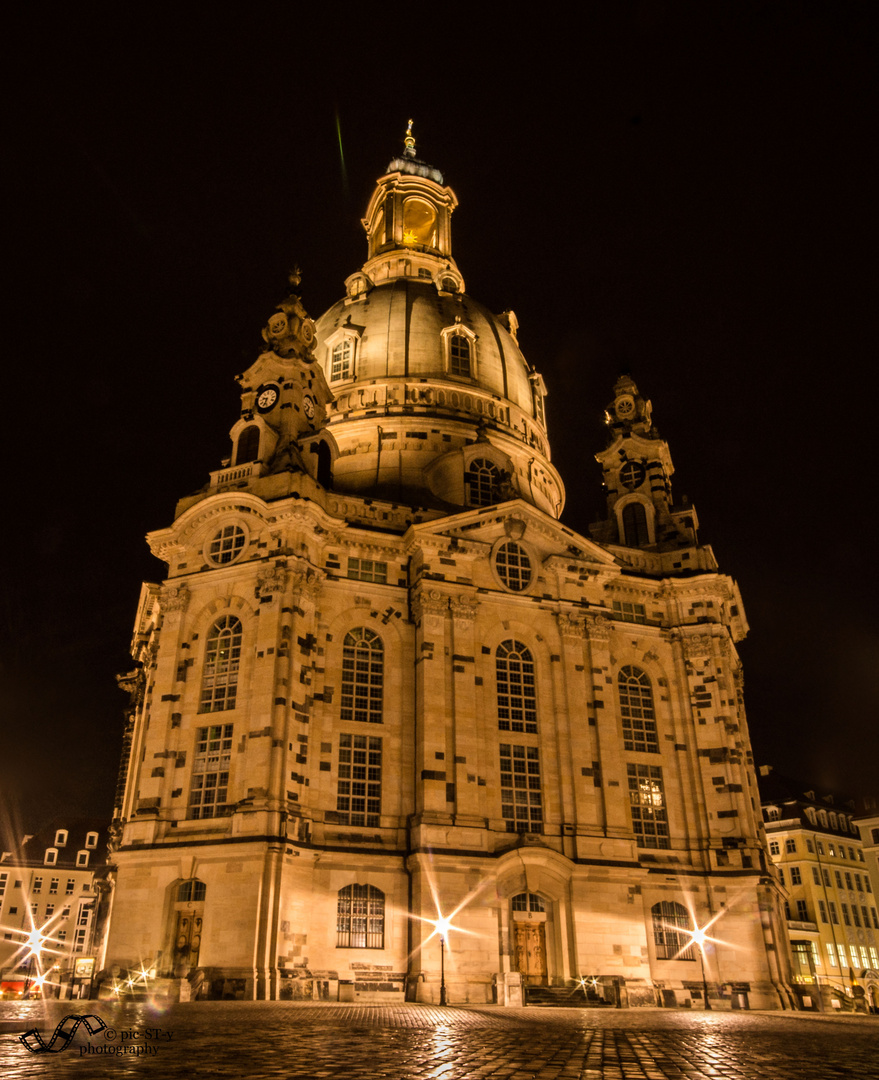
(188, 919)
(528, 925)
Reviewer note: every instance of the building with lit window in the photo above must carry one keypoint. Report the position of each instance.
(51, 885)
(382, 683)
(830, 888)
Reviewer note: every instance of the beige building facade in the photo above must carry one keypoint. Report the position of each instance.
(383, 684)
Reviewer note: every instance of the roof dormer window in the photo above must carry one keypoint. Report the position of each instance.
(51, 856)
(91, 840)
(82, 858)
(60, 837)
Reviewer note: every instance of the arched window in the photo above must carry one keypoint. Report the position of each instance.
(527, 902)
(360, 918)
(324, 465)
(482, 480)
(248, 445)
(362, 676)
(191, 891)
(635, 532)
(222, 656)
(671, 932)
(636, 710)
(340, 366)
(459, 356)
(516, 700)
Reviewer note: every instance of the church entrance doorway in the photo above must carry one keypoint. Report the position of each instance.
(188, 918)
(529, 939)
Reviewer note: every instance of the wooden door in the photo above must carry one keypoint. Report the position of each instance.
(531, 952)
(187, 941)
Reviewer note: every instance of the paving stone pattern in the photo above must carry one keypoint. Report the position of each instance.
(361, 1042)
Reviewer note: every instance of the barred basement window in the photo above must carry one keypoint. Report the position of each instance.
(671, 932)
(210, 772)
(636, 710)
(521, 802)
(340, 365)
(635, 613)
(359, 794)
(513, 566)
(222, 656)
(516, 701)
(482, 479)
(649, 816)
(368, 570)
(360, 918)
(227, 545)
(362, 676)
(459, 356)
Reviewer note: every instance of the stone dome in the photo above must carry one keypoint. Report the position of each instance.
(429, 386)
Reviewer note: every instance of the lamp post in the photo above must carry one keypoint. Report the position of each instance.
(442, 928)
(698, 937)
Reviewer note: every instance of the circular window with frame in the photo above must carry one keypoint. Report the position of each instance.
(513, 566)
(632, 475)
(226, 545)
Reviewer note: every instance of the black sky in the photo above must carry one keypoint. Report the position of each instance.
(685, 191)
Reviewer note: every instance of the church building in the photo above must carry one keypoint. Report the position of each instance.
(382, 685)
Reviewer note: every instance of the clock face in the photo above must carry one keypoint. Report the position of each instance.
(267, 397)
(308, 407)
(625, 406)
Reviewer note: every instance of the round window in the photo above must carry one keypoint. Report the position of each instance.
(632, 474)
(513, 566)
(227, 545)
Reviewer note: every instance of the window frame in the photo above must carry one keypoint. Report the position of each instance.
(672, 937)
(637, 711)
(362, 687)
(212, 761)
(369, 932)
(516, 687)
(219, 674)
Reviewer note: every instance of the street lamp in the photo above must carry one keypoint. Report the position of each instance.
(698, 937)
(442, 928)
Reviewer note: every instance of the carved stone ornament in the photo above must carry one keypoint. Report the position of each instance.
(290, 332)
(598, 627)
(696, 645)
(270, 580)
(464, 608)
(571, 627)
(173, 598)
(429, 602)
(307, 580)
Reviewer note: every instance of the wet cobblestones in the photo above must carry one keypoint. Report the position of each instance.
(409, 1042)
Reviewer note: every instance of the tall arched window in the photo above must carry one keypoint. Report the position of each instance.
(482, 480)
(248, 445)
(459, 355)
(222, 656)
(671, 932)
(636, 710)
(635, 531)
(362, 676)
(340, 365)
(516, 698)
(360, 918)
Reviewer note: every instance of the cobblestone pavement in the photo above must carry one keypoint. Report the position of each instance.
(417, 1042)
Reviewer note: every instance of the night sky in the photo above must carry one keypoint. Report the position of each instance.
(683, 191)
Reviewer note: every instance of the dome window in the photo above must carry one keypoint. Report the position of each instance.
(341, 361)
(419, 223)
(459, 356)
(482, 480)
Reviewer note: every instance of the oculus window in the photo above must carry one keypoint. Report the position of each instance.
(226, 545)
(513, 566)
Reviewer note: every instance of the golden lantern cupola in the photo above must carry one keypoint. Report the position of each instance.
(408, 223)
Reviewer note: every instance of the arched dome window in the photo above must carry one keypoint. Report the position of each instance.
(419, 223)
(248, 445)
(459, 356)
(635, 531)
(482, 480)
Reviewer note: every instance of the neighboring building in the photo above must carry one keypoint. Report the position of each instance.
(382, 682)
(50, 883)
(831, 890)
